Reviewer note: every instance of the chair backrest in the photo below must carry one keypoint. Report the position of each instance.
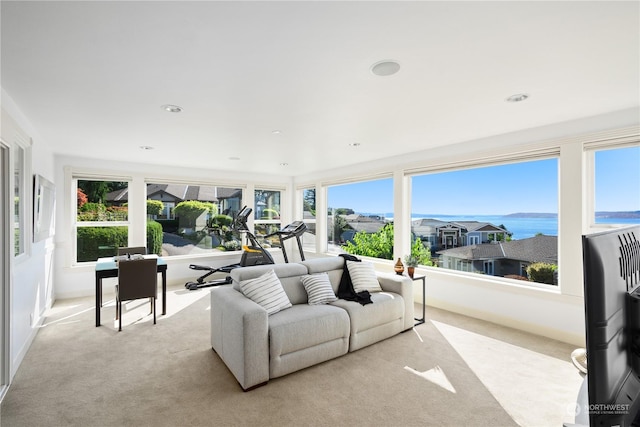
(137, 279)
(132, 250)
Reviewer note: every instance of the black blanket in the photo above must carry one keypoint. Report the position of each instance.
(345, 289)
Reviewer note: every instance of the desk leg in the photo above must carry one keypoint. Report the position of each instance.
(164, 292)
(421, 321)
(98, 299)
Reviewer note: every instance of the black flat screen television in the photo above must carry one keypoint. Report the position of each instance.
(611, 261)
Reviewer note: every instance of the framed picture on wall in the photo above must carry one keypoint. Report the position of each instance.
(44, 206)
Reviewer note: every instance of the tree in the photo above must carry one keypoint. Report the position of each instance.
(154, 207)
(420, 252)
(82, 198)
(309, 201)
(96, 191)
(377, 245)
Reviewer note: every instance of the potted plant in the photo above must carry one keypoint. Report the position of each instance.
(412, 262)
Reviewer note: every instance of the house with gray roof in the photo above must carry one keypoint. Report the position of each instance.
(438, 235)
(501, 258)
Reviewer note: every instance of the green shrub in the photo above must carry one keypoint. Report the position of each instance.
(154, 237)
(377, 245)
(96, 242)
(190, 210)
(220, 221)
(154, 207)
(541, 272)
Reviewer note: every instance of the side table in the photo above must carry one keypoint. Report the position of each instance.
(420, 321)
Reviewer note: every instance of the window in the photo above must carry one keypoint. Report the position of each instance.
(191, 219)
(617, 186)
(498, 220)
(267, 216)
(19, 212)
(360, 219)
(309, 218)
(102, 218)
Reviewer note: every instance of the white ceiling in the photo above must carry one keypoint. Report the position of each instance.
(91, 76)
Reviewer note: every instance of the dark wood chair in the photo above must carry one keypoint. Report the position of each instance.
(133, 250)
(136, 279)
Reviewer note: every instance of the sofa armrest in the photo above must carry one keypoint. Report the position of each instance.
(403, 286)
(240, 335)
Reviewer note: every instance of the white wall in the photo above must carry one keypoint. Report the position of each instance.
(32, 275)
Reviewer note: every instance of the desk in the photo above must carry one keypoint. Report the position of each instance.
(107, 267)
(415, 279)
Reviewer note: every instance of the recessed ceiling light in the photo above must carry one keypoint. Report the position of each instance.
(519, 97)
(284, 164)
(276, 132)
(146, 147)
(171, 108)
(234, 158)
(354, 144)
(385, 68)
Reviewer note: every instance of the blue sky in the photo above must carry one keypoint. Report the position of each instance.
(618, 180)
(499, 190)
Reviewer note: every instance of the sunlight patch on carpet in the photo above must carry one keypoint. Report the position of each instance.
(545, 386)
(436, 375)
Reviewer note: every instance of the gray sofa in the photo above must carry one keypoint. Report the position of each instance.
(256, 346)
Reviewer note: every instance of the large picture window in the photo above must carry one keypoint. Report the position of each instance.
(101, 222)
(498, 220)
(617, 186)
(309, 218)
(267, 216)
(360, 219)
(184, 219)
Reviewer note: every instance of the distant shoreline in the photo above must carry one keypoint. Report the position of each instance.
(599, 215)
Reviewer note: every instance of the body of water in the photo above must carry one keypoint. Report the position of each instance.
(523, 227)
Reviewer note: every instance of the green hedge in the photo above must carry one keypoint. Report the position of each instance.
(97, 242)
(154, 237)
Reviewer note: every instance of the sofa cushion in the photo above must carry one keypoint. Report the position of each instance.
(289, 275)
(303, 327)
(333, 266)
(374, 322)
(267, 291)
(363, 277)
(318, 288)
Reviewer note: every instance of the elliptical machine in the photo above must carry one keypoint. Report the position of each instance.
(253, 254)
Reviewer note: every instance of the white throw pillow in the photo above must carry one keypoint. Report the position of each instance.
(266, 291)
(318, 288)
(363, 276)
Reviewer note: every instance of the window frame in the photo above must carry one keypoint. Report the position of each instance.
(550, 153)
(195, 182)
(590, 150)
(25, 222)
(300, 214)
(267, 222)
(78, 176)
(325, 214)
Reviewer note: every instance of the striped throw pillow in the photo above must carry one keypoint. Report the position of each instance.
(266, 291)
(318, 288)
(363, 277)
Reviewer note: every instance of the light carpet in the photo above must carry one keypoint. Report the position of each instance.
(450, 371)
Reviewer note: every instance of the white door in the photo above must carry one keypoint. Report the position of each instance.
(6, 218)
